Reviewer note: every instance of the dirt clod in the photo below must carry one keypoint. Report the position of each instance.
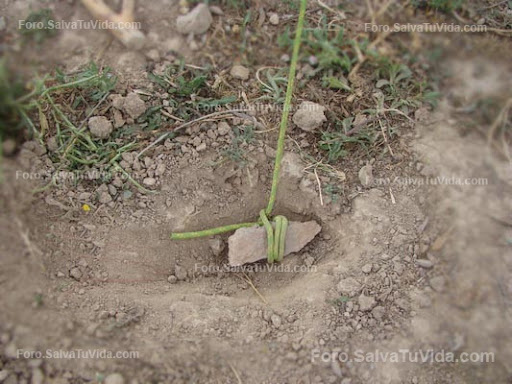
(240, 72)
(349, 286)
(438, 283)
(366, 176)
(100, 127)
(134, 105)
(366, 303)
(309, 116)
(180, 272)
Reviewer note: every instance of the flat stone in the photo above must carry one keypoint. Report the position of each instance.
(248, 245)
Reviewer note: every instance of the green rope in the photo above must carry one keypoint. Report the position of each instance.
(210, 232)
(270, 236)
(286, 108)
(275, 237)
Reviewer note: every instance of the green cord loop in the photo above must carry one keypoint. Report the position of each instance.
(276, 238)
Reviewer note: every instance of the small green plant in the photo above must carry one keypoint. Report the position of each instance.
(335, 142)
(333, 192)
(393, 76)
(189, 89)
(242, 137)
(38, 25)
(329, 47)
(38, 300)
(275, 86)
(13, 111)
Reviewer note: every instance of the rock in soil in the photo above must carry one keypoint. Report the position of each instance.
(309, 116)
(366, 303)
(196, 21)
(349, 287)
(100, 127)
(134, 105)
(216, 245)
(248, 245)
(424, 263)
(114, 378)
(180, 273)
(223, 128)
(8, 147)
(240, 72)
(438, 283)
(366, 176)
(274, 19)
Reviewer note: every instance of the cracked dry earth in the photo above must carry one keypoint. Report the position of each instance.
(403, 266)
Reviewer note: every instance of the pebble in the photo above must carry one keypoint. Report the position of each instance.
(117, 101)
(378, 312)
(276, 320)
(438, 283)
(367, 268)
(240, 72)
(196, 21)
(100, 127)
(349, 287)
(366, 176)
(274, 19)
(149, 181)
(75, 273)
(172, 279)
(424, 263)
(8, 147)
(201, 147)
(134, 105)
(366, 303)
(309, 116)
(180, 273)
(216, 245)
(3, 374)
(37, 376)
(223, 128)
(105, 198)
(114, 378)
